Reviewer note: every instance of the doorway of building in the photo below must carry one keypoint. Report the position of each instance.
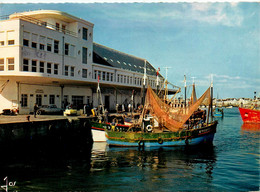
(107, 103)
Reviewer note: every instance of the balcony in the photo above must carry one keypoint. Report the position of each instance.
(40, 23)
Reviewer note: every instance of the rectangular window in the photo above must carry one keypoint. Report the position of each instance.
(95, 74)
(84, 55)
(72, 71)
(127, 79)
(49, 68)
(2, 43)
(42, 46)
(99, 74)
(26, 42)
(111, 76)
(52, 99)
(118, 78)
(66, 49)
(2, 64)
(49, 47)
(39, 100)
(57, 26)
(56, 68)
(56, 46)
(42, 41)
(108, 74)
(34, 66)
(11, 42)
(49, 44)
(103, 76)
(41, 67)
(121, 79)
(10, 62)
(25, 65)
(84, 73)
(34, 45)
(24, 101)
(66, 70)
(77, 100)
(85, 33)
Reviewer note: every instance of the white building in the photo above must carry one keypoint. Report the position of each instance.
(49, 57)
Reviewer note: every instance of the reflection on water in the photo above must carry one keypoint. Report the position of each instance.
(250, 127)
(161, 163)
(232, 164)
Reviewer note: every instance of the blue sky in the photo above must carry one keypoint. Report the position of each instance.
(194, 39)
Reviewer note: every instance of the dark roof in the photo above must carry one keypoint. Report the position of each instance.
(110, 57)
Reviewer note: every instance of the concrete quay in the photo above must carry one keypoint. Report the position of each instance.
(44, 130)
(5, 119)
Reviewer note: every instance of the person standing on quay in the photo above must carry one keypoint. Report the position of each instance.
(35, 108)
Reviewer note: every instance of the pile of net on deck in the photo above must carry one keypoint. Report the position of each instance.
(164, 113)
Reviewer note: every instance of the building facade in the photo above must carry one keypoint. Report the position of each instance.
(49, 57)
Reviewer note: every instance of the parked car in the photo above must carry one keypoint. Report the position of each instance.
(49, 109)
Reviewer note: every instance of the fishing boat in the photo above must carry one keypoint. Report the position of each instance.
(160, 126)
(250, 115)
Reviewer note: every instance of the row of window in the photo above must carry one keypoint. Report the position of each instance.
(9, 62)
(50, 68)
(40, 66)
(9, 42)
(38, 101)
(44, 43)
(76, 100)
(107, 76)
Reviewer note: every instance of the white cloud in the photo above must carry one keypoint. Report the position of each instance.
(227, 14)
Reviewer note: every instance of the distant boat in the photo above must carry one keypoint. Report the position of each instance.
(229, 107)
(219, 112)
(250, 115)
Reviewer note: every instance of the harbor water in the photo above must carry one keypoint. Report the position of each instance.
(231, 164)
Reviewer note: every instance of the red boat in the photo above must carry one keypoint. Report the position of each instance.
(250, 115)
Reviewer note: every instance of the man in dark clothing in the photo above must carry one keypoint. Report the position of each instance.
(35, 108)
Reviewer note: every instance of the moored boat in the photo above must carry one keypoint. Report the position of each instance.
(250, 115)
(160, 126)
(219, 112)
(202, 135)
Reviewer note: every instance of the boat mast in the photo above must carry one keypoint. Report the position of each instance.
(185, 92)
(157, 81)
(144, 82)
(211, 97)
(100, 96)
(210, 111)
(166, 83)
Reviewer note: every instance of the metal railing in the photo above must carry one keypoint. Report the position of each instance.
(40, 23)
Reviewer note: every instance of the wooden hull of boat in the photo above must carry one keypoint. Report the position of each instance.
(250, 115)
(198, 136)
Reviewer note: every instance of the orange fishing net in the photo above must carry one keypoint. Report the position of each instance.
(169, 117)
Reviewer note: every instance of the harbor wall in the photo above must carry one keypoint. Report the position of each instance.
(61, 133)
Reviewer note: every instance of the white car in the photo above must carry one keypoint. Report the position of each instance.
(49, 109)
